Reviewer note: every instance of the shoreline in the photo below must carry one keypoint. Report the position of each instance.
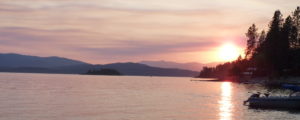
(258, 80)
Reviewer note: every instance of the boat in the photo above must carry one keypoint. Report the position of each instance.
(285, 102)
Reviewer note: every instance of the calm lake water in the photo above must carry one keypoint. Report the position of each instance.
(82, 97)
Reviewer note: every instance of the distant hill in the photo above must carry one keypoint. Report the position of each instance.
(17, 60)
(194, 66)
(104, 71)
(34, 64)
(145, 70)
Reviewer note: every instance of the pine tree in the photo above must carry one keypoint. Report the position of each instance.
(272, 51)
(284, 45)
(286, 33)
(260, 44)
(296, 29)
(261, 39)
(252, 36)
(294, 39)
(239, 59)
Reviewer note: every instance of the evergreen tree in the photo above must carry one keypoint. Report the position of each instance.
(296, 17)
(276, 53)
(272, 51)
(252, 36)
(259, 58)
(296, 29)
(287, 33)
(261, 38)
(260, 42)
(294, 39)
(239, 58)
(284, 45)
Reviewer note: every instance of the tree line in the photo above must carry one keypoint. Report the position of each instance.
(104, 71)
(273, 54)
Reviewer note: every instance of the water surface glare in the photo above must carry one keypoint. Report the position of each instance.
(82, 97)
(225, 102)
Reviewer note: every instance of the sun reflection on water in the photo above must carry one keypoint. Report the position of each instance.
(225, 102)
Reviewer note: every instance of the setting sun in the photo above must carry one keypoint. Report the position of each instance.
(228, 52)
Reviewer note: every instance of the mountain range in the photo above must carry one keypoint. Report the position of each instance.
(17, 60)
(194, 66)
(33, 64)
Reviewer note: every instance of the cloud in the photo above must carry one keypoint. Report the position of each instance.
(132, 49)
(103, 29)
(76, 38)
(69, 44)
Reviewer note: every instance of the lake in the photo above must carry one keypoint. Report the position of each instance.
(83, 97)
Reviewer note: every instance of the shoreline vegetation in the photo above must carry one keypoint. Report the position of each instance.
(104, 71)
(272, 57)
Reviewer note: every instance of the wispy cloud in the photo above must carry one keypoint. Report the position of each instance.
(101, 29)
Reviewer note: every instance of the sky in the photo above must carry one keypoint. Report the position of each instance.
(107, 31)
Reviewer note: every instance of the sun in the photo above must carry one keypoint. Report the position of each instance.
(228, 52)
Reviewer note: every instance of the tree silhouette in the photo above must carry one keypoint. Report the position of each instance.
(261, 39)
(272, 51)
(295, 43)
(259, 56)
(252, 36)
(273, 54)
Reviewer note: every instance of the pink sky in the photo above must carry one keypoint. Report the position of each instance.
(105, 31)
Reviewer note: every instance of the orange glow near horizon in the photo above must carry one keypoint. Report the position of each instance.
(229, 52)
